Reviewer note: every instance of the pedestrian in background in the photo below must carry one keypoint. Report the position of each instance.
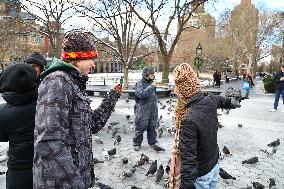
(38, 62)
(146, 109)
(194, 161)
(246, 86)
(18, 85)
(279, 84)
(64, 119)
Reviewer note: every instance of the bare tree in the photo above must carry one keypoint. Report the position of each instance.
(155, 12)
(116, 20)
(52, 14)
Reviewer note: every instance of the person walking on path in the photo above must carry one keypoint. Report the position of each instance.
(279, 84)
(246, 86)
(145, 109)
(65, 122)
(38, 62)
(18, 85)
(194, 161)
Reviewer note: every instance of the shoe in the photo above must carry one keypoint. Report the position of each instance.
(273, 110)
(137, 148)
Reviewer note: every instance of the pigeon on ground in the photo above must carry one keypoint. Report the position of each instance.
(252, 160)
(114, 132)
(142, 161)
(97, 139)
(257, 185)
(163, 107)
(240, 125)
(96, 160)
(117, 140)
(272, 183)
(152, 168)
(226, 151)
(158, 148)
(112, 152)
(103, 186)
(131, 122)
(127, 100)
(160, 132)
(114, 123)
(224, 175)
(219, 125)
(269, 151)
(249, 187)
(105, 155)
(168, 169)
(129, 173)
(2, 173)
(274, 143)
(135, 187)
(127, 117)
(125, 160)
(160, 174)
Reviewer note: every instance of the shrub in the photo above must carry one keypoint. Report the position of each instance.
(269, 84)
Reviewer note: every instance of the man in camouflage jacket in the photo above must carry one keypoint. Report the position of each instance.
(65, 122)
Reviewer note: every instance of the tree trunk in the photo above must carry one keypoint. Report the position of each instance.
(166, 66)
(125, 79)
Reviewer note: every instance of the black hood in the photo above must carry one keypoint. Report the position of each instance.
(37, 58)
(17, 99)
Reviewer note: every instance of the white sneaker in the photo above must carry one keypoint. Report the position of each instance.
(273, 110)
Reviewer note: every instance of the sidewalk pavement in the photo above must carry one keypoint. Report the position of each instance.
(259, 127)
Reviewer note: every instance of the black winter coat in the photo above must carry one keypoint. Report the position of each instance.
(17, 122)
(198, 137)
(279, 84)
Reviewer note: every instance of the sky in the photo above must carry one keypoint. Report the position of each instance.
(221, 5)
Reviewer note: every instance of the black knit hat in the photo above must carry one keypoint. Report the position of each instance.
(37, 58)
(78, 45)
(19, 78)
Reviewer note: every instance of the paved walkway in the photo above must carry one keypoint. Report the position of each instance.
(260, 127)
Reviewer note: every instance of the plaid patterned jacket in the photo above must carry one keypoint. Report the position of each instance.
(64, 127)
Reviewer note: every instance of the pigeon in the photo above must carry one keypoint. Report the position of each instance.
(127, 100)
(117, 140)
(167, 101)
(249, 187)
(269, 151)
(152, 168)
(257, 185)
(145, 158)
(112, 152)
(103, 186)
(168, 169)
(105, 155)
(160, 174)
(226, 151)
(160, 132)
(114, 132)
(240, 125)
(219, 125)
(158, 148)
(98, 140)
(166, 183)
(2, 173)
(95, 161)
(131, 122)
(224, 175)
(142, 161)
(274, 143)
(163, 107)
(125, 160)
(135, 187)
(272, 183)
(129, 173)
(127, 117)
(161, 117)
(114, 123)
(252, 160)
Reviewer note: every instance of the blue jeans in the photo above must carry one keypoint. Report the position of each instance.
(208, 181)
(277, 97)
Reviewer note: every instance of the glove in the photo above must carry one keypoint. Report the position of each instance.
(117, 88)
(235, 102)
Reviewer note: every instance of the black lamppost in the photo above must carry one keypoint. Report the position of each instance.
(198, 61)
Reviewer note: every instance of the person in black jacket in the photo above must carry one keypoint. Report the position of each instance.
(37, 61)
(279, 83)
(18, 85)
(196, 121)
